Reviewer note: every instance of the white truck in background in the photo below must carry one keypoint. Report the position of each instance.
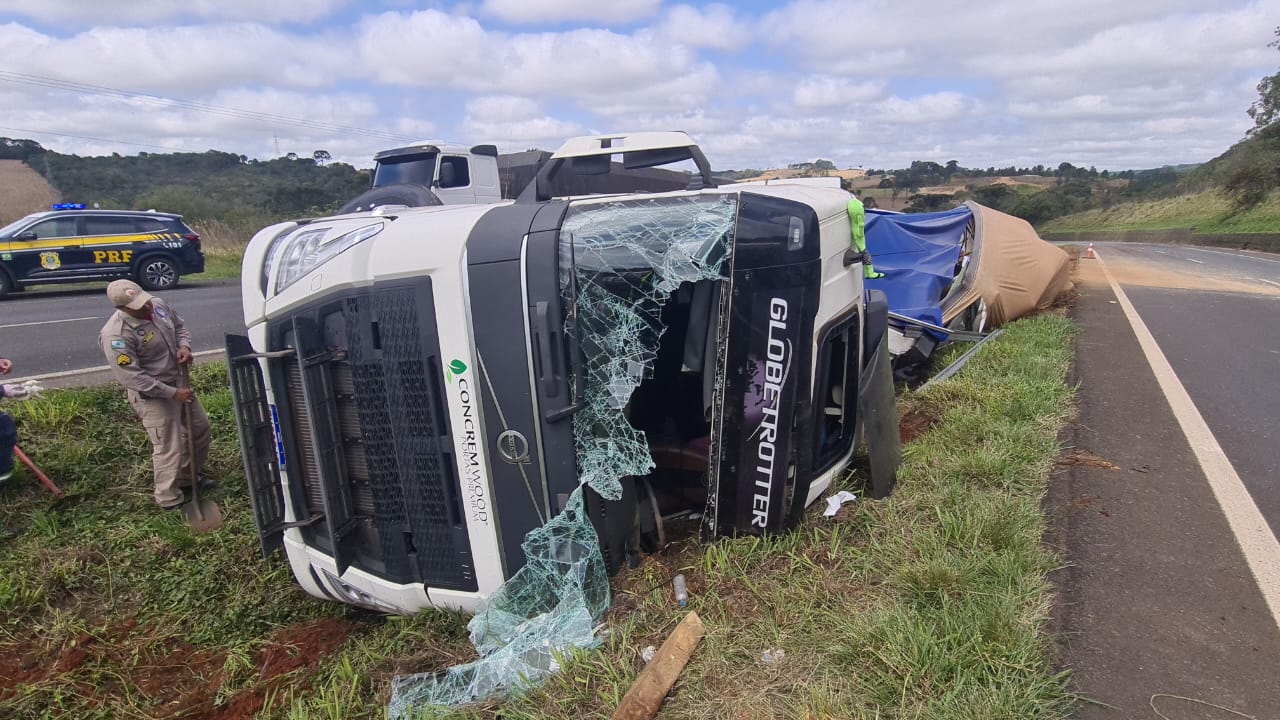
(426, 173)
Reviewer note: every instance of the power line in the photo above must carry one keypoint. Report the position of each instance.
(95, 139)
(225, 111)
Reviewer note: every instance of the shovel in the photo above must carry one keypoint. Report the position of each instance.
(203, 515)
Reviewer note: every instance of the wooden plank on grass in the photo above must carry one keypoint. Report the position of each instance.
(645, 696)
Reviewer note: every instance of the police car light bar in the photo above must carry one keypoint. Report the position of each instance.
(68, 206)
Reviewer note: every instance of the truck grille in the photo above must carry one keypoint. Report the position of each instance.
(366, 392)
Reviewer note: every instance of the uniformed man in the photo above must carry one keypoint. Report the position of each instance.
(146, 345)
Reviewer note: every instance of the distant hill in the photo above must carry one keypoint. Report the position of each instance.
(201, 186)
(1236, 192)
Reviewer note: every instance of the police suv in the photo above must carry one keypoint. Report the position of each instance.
(71, 244)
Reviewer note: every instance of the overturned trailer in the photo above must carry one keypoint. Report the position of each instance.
(421, 392)
(958, 274)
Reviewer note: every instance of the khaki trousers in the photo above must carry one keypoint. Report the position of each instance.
(162, 419)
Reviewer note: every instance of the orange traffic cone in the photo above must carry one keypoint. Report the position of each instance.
(1089, 252)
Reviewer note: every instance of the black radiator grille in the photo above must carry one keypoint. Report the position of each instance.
(383, 370)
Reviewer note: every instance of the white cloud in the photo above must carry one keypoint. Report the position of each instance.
(515, 124)
(697, 88)
(930, 35)
(505, 107)
(714, 26)
(81, 13)
(933, 108)
(827, 92)
(862, 82)
(189, 59)
(557, 11)
(431, 48)
(153, 126)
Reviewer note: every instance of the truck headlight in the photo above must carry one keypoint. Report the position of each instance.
(313, 247)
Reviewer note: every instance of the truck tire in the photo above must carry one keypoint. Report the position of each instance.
(408, 195)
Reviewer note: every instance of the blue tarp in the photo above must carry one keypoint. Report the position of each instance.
(917, 253)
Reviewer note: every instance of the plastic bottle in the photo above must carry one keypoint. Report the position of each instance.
(682, 590)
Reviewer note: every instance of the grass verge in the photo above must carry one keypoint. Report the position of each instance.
(1207, 212)
(930, 604)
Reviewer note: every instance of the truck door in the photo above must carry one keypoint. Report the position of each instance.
(453, 186)
(762, 423)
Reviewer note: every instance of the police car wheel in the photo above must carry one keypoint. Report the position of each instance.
(6, 285)
(157, 273)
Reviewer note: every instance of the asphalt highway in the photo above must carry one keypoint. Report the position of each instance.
(1223, 341)
(1169, 589)
(49, 330)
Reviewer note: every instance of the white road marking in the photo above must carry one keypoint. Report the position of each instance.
(86, 371)
(1253, 535)
(1198, 262)
(1269, 282)
(48, 322)
(1246, 256)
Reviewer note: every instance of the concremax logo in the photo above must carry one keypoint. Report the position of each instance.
(776, 368)
(472, 480)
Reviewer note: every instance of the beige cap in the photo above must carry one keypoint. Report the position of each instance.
(127, 294)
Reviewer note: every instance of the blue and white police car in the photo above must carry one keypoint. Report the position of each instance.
(70, 244)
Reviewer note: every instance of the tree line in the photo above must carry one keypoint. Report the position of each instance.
(200, 186)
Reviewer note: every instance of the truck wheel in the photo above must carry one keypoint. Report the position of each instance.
(408, 195)
(157, 272)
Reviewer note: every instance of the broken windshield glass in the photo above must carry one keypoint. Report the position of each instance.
(629, 257)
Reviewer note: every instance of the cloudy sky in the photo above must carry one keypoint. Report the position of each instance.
(866, 83)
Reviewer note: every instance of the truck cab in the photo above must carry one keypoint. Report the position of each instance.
(410, 412)
(431, 174)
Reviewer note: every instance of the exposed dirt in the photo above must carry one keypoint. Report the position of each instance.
(1087, 459)
(915, 423)
(177, 679)
(22, 191)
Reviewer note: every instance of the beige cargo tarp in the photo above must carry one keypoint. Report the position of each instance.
(1012, 269)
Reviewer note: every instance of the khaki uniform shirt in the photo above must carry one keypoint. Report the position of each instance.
(143, 354)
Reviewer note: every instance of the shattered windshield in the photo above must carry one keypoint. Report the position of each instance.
(681, 235)
(628, 257)
(631, 256)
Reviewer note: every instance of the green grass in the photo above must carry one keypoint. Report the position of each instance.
(1207, 212)
(221, 263)
(930, 604)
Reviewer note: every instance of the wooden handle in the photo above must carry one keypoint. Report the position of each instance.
(645, 696)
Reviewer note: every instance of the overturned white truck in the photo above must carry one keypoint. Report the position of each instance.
(419, 388)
